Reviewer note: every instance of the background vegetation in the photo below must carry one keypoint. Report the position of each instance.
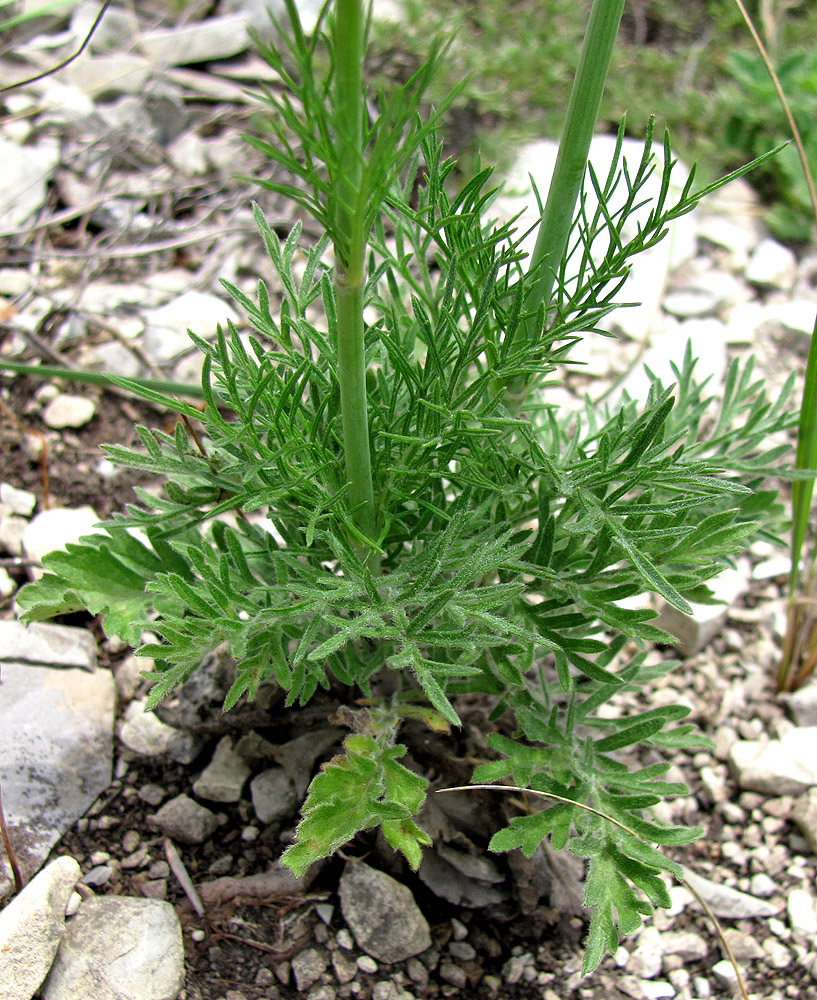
(693, 65)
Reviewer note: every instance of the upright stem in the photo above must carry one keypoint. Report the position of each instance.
(574, 145)
(350, 257)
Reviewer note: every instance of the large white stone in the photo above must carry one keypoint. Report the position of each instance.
(119, 948)
(201, 41)
(787, 766)
(55, 754)
(728, 902)
(650, 270)
(706, 621)
(19, 501)
(31, 927)
(771, 265)
(202, 312)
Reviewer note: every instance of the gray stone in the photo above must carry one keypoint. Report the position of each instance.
(26, 171)
(18, 501)
(98, 876)
(224, 777)
(68, 411)
(345, 969)
(273, 795)
(787, 766)
(646, 961)
(728, 902)
(804, 815)
(382, 915)
(298, 756)
(308, 967)
(778, 955)
(367, 964)
(453, 974)
(47, 645)
(55, 755)
(744, 947)
(53, 529)
(118, 948)
(31, 927)
(185, 820)
(684, 944)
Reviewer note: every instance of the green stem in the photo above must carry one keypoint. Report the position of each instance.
(574, 146)
(350, 253)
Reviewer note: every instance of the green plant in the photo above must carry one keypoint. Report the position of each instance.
(432, 525)
(753, 121)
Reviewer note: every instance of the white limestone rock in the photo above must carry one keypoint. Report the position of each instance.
(67, 410)
(728, 902)
(18, 501)
(802, 913)
(695, 631)
(26, 171)
(31, 928)
(53, 529)
(771, 266)
(119, 948)
(56, 751)
(803, 703)
(47, 645)
(787, 766)
(202, 312)
(200, 41)
(144, 733)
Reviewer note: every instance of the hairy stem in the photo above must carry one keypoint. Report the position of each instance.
(350, 252)
(574, 145)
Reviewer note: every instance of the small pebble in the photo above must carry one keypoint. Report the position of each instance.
(97, 877)
(152, 794)
(367, 964)
(458, 929)
(65, 410)
(344, 939)
(130, 841)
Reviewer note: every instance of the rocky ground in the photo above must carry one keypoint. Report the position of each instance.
(119, 213)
